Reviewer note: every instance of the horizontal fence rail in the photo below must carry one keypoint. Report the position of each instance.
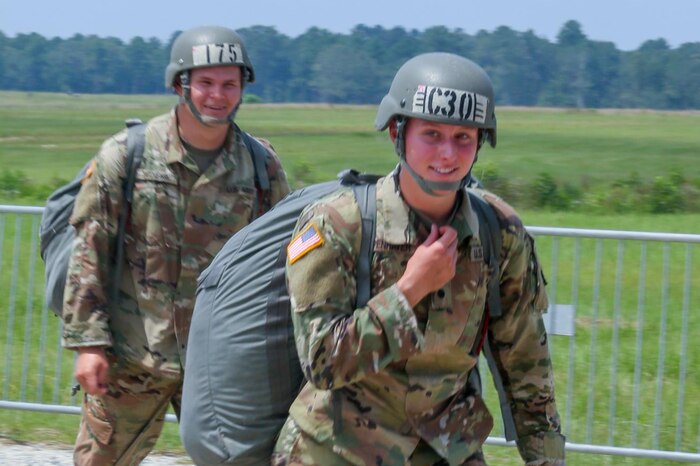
(623, 320)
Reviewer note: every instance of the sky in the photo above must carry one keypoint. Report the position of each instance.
(626, 23)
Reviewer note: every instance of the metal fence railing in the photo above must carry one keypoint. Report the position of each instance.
(624, 319)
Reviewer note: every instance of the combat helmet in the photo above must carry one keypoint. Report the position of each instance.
(202, 47)
(440, 87)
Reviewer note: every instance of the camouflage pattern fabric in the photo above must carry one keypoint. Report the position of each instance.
(179, 220)
(387, 378)
(122, 427)
(299, 449)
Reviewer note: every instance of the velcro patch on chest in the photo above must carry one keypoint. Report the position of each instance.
(308, 239)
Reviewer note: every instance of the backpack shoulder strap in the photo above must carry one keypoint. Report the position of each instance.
(135, 143)
(366, 197)
(490, 237)
(260, 155)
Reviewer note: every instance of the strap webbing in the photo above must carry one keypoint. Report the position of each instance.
(135, 142)
(366, 197)
(490, 237)
(259, 154)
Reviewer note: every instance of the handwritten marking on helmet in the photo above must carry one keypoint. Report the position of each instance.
(217, 54)
(450, 103)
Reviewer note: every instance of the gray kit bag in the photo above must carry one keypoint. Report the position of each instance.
(242, 370)
(57, 235)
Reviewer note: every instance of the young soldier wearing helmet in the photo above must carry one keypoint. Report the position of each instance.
(389, 383)
(194, 188)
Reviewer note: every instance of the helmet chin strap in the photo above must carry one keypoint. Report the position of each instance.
(429, 187)
(204, 119)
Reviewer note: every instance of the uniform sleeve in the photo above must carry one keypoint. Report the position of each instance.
(520, 348)
(279, 186)
(338, 343)
(95, 218)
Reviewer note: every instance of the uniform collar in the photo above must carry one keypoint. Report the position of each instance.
(396, 221)
(224, 163)
(176, 151)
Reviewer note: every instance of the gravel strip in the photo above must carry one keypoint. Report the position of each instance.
(20, 454)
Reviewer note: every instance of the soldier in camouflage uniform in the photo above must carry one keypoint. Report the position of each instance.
(388, 382)
(195, 188)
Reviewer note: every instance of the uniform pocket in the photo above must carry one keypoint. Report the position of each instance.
(219, 215)
(154, 209)
(99, 421)
(155, 228)
(459, 430)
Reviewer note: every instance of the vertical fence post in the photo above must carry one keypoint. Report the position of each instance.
(11, 308)
(615, 341)
(662, 346)
(594, 338)
(572, 339)
(684, 347)
(639, 340)
(29, 308)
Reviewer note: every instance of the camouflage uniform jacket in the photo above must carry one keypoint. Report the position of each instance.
(179, 220)
(388, 375)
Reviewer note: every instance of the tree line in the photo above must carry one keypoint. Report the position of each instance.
(357, 68)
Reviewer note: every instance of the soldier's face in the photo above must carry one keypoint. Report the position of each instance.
(440, 152)
(215, 91)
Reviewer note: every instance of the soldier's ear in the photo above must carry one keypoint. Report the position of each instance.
(392, 130)
(177, 85)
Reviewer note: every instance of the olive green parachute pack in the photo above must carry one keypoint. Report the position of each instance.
(57, 234)
(242, 371)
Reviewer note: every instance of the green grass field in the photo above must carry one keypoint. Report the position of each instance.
(49, 136)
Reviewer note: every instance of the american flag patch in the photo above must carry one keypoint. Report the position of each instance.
(89, 172)
(308, 239)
